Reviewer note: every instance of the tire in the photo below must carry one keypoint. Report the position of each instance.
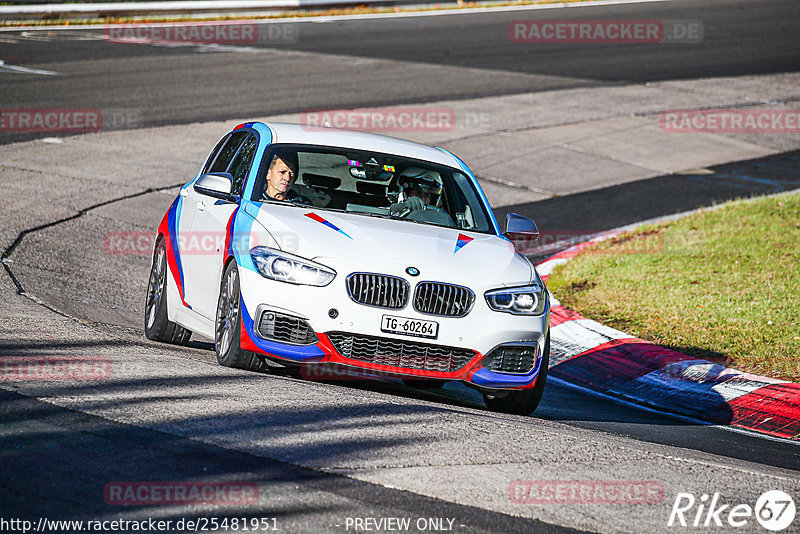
(523, 402)
(228, 326)
(157, 326)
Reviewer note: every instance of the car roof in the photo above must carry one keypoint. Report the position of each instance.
(314, 135)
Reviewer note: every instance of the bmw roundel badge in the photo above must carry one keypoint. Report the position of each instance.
(413, 271)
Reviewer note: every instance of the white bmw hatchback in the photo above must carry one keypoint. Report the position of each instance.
(304, 246)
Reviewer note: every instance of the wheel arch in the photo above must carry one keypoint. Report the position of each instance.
(225, 263)
(157, 241)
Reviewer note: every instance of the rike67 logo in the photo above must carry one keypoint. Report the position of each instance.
(774, 510)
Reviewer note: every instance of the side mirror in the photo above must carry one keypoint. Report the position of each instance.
(521, 231)
(215, 184)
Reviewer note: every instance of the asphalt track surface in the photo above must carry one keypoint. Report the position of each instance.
(431, 58)
(75, 453)
(111, 451)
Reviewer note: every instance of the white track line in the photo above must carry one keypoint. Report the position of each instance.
(26, 70)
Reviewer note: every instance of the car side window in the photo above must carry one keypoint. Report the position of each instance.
(240, 166)
(214, 153)
(225, 155)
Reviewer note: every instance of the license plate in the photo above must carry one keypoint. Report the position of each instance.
(409, 327)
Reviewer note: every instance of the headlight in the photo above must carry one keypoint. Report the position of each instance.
(527, 300)
(277, 265)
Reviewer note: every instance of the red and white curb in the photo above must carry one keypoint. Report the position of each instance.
(593, 356)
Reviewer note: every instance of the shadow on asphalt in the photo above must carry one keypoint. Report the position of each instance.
(611, 207)
(57, 464)
(702, 354)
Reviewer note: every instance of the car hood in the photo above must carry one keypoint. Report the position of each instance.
(354, 242)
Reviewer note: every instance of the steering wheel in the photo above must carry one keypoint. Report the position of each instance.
(432, 214)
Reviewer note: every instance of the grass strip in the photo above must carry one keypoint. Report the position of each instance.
(722, 284)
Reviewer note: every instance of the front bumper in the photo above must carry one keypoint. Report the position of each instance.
(473, 337)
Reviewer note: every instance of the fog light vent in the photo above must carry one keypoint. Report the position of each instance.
(285, 329)
(517, 359)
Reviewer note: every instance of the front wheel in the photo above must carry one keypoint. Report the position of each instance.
(157, 325)
(228, 326)
(521, 402)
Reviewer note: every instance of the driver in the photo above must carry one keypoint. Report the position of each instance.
(281, 176)
(421, 193)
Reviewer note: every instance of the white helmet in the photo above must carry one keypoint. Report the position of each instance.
(429, 181)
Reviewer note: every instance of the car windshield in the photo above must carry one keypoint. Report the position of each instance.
(373, 184)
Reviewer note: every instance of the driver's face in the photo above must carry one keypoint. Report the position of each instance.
(279, 179)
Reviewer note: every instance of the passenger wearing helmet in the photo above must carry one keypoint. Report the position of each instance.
(421, 191)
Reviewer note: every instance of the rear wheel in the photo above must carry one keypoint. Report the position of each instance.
(521, 402)
(157, 325)
(228, 326)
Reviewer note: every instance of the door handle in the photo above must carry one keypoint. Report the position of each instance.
(201, 205)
